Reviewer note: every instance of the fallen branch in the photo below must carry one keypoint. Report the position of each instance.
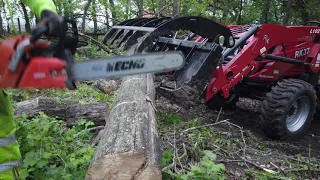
(243, 140)
(90, 129)
(97, 43)
(206, 125)
(259, 167)
(179, 158)
(68, 110)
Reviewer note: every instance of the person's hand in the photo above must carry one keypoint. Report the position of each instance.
(53, 21)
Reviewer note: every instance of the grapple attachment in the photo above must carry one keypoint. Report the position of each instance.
(201, 40)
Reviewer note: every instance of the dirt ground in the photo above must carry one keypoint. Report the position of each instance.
(257, 151)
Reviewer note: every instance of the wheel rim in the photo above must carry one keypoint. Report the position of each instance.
(298, 113)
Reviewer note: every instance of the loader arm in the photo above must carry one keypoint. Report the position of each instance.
(263, 38)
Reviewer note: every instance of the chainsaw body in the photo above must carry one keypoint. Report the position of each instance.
(34, 70)
(27, 62)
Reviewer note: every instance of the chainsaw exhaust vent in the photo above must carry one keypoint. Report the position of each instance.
(201, 40)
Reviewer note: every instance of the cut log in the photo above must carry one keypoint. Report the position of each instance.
(107, 86)
(129, 145)
(68, 110)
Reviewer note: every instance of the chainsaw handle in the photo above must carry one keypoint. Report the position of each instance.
(64, 41)
(37, 33)
(19, 51)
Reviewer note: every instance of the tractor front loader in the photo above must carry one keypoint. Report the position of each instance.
(278, 65)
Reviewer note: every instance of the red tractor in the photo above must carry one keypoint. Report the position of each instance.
(276, 64)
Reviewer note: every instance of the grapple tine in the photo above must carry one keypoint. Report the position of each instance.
(133, 38)
(111, 31)
(119, 31)
(128, 32)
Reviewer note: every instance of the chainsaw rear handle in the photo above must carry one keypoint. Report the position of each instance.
(37, 33)
(64, 42)
(19, 51)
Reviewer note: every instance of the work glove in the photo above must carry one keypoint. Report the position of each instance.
(53, 21)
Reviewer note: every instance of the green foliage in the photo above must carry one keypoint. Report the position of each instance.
(52, 151)
(84, 94)
(206, 170)
(168, 118)
(167, 157)
(194, 122)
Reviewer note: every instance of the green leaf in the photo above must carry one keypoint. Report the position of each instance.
(47, 154)
(23, 174)
(210, 155)
(219, 167)
(30, 162)
(42, 163)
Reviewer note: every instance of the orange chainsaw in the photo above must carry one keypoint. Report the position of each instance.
(27, 62)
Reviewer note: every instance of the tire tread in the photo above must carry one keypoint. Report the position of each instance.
(278, 102)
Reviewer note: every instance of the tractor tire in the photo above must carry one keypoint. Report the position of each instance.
(217, 101)
(290, 96)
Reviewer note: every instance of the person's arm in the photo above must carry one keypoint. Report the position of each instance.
(37, 6)
(46, 11)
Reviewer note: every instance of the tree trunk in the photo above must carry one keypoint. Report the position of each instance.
(25, 14)
(140, 8)
(162, 10)
(127, 9)
(11, 17)
(240, 13)
(176, 8)
(226, 10)
(85, 15)
(214, 8)
(113, 12)
(287, 13)
(6, 18)
(276, 13)
(67, 110)
(265, 12)
(94, 17)
(1, 25)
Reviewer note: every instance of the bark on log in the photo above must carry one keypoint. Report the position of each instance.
(129, 146)
(68, 110)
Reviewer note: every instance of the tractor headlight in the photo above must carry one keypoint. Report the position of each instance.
(221, 40)
(231, 41)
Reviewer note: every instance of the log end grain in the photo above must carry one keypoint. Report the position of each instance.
(124, 166)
